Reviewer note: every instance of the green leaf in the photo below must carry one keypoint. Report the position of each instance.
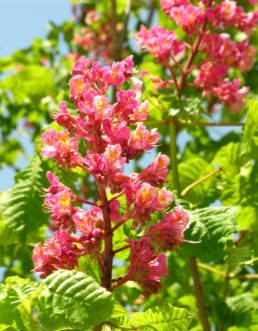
(250, 136)
(187, 109)
(20, 206)
(71, 299)
(162, 318)
(237, 310)
(212, 228)
(15, 304)
(247, 217)
(237, 256)
(191, 171)
(235, 170)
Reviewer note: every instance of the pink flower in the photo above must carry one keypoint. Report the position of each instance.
(148, 200)
(146, 267)
(126, 103)
(227, 13)
(169, 233)
(105, 166)
(167, 5)
(114, 207)
(210, 75)
(145, 200)
(119, 72)
(156, 173)
(221, 49)
(80, 66)
(142, 139)
(247, 55)
(230, 94)
(60, 147)
(90, 224)
(189, 17)
(160, 42)
(59, 201)
(165, 198)
(64, 118)
(248, 22)
(118, 133)
(59, 252)
(77, 87)
(56, 186)
(102, 109)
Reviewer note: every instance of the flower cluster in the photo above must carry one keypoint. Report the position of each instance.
(205, 26)
(114, 134)
(96, 37)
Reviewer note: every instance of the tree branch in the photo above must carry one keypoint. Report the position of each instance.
(126, 21)
(192, 260)
(108, 250)
(121, 249)
(199, 181)
(199, 294)
(151, 14)
(115, 36)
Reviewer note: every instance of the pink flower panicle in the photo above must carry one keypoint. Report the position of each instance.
(96, 37)
(205, 25)
(173, 223)
(160, 42)
(59, 252)
(115, 134)
(146, 266)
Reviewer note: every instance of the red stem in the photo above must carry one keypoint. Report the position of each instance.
(86, 202)
(101, 265)
(121, 249)
(190, 60)
(117, 196)
(119, 283)
(108, 250)
(125, 218)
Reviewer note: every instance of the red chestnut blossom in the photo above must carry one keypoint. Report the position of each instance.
(160, 42)
(146, 267)
(59, 252)
(114, 134)
(210, 75)
(142, 139)
(189, 17)
(167, 5)
(64, 118)
(205, 25)
(60, 147)
(231, 95)
(248, 22)
(169, 233)
(227, 13)
(96, 39)
(90, 224)
(156, 173)
(59, 202)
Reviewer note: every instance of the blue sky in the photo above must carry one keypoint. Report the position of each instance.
(20, 22)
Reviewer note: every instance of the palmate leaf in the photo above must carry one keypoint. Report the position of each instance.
(15, 305)
(192, 171)
(20, 206)
(213, 227)
(237, 310)
(235, 168)
(73, 300)
(250, 136)
(162, 318)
